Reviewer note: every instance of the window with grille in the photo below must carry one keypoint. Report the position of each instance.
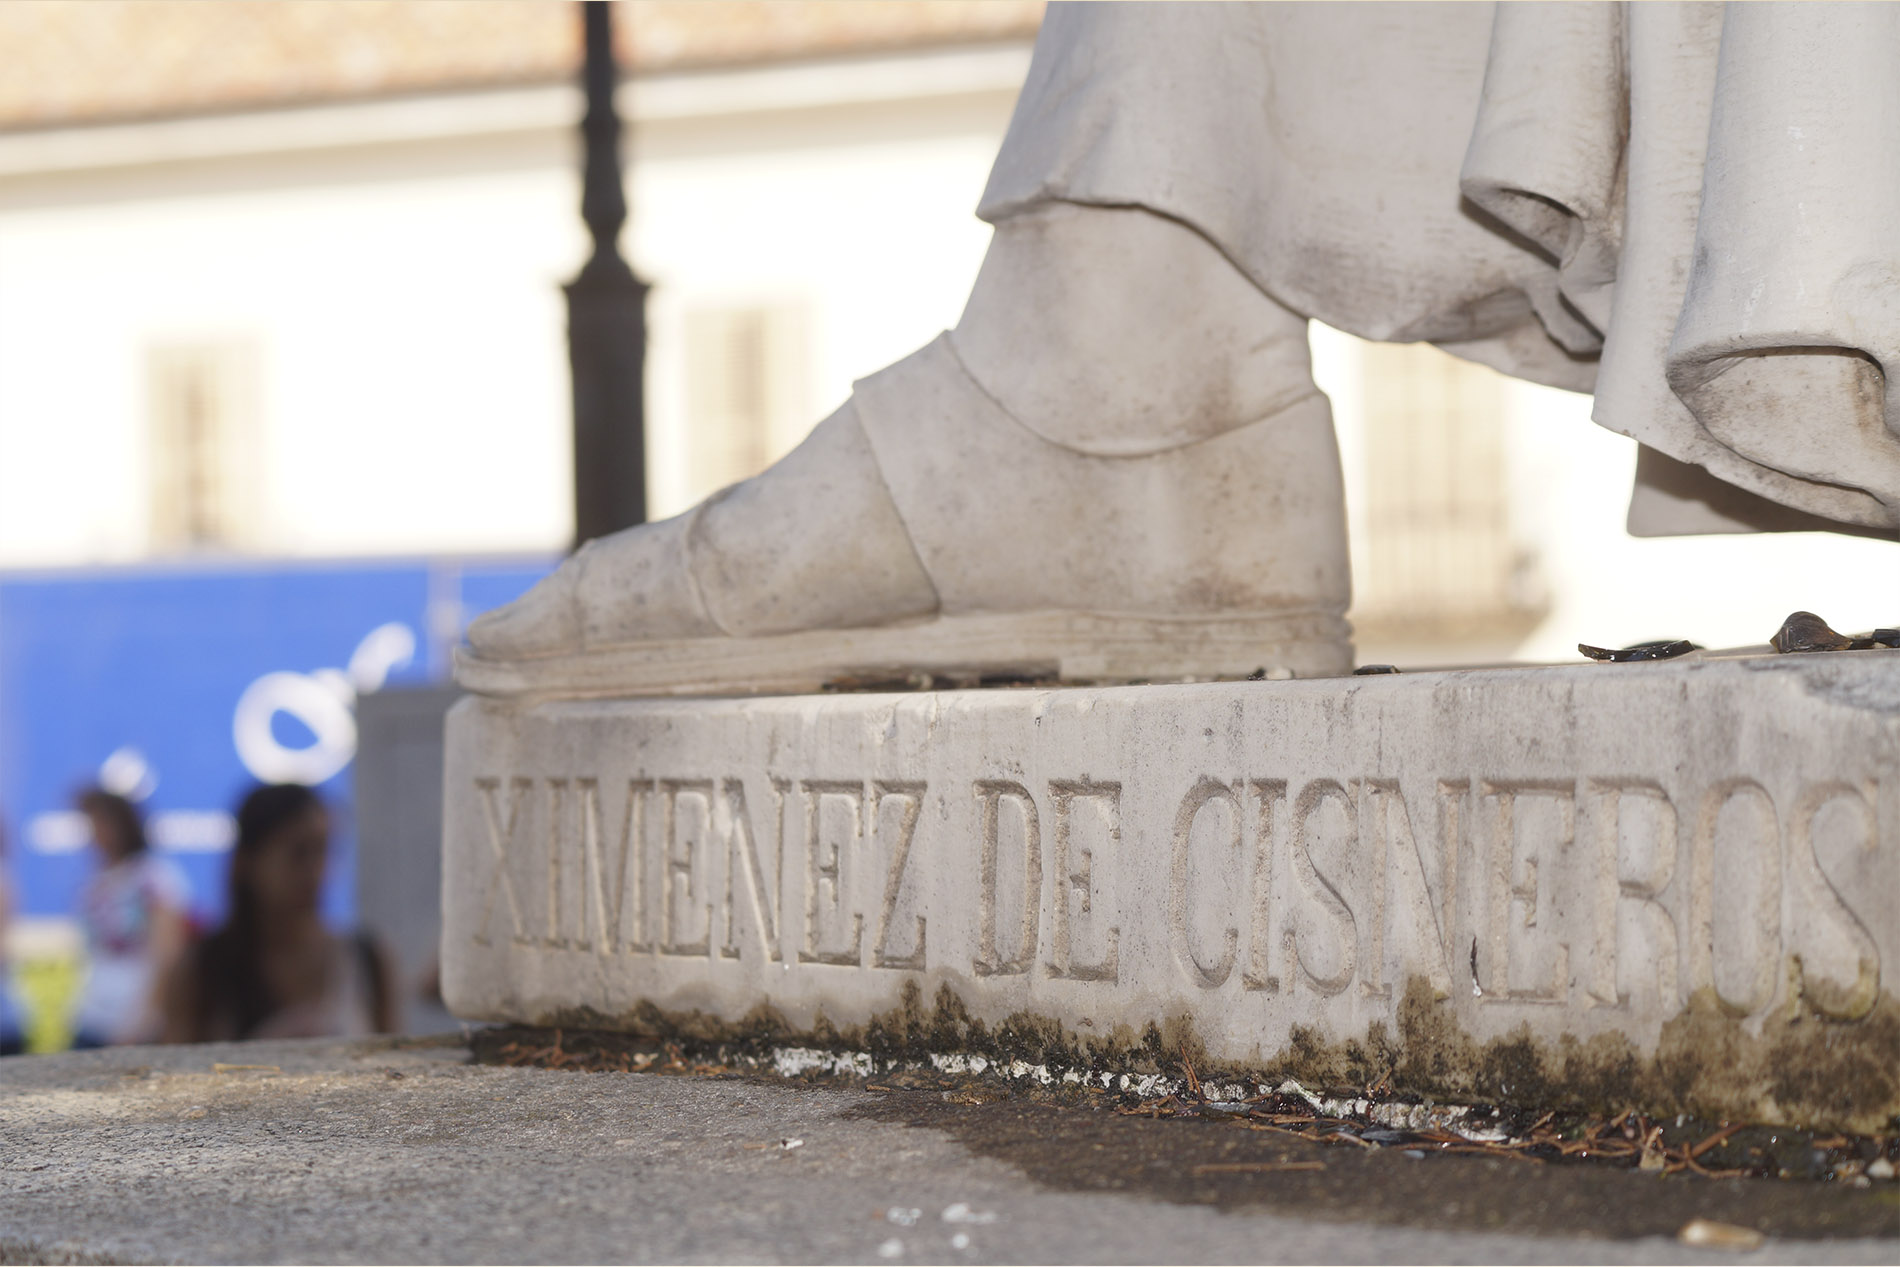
(1435, 560)
(204, 471)
(745, 397)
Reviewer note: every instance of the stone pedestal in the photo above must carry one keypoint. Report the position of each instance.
(1671, 885)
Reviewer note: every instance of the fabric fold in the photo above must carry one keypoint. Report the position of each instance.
(1687, 208)
(1791, 324)
(1546, 155)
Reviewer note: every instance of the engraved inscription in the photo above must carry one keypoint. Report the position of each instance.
(1533, 829)
(686, 835)
(1323, 936)
(1589, 893)
(613, 884)
(1454, 843)
(1599, 816)
(1410, 926)
(1735, 896)
(501, 834)
(1077, 893)
(993, 795)
(1637, 844)
(1218, 857)
(908, 800)
(747, 869)
(834, 831)
(553, 892)
(1270, 795)
(1838, 960)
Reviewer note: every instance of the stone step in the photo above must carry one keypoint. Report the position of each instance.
(1661, 885)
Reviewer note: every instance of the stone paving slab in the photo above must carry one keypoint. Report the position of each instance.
(1670, 885)
(322, 1152)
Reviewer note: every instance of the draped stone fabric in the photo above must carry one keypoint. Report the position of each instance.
(1692, 210)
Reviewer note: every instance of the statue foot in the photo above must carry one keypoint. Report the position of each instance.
(923, 530)
(813, 543)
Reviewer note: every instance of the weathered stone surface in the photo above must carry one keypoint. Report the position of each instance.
(1670, 884)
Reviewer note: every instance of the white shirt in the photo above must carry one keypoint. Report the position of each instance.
(116, 909)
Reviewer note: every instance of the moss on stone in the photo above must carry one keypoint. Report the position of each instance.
(1801, 1068)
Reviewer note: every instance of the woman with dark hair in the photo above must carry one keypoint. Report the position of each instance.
(133, 912)
(273, 970)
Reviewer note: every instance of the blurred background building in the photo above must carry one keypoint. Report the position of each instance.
(284, 392)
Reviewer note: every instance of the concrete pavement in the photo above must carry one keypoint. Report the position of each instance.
(369, 1152)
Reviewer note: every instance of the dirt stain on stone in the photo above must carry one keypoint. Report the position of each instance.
(24, 1252)
(1224, 1164)
(1801, 1067)
(1077, 1137)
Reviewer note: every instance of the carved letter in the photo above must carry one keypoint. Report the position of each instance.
(1513, 880)
(1079, 882)
(1843, 817)
(1257, 975)
(1454, 843)
(608, 907)
(681, 878)
(1415, 928)
(992, 961)
(1637, 842)
(743, 859)
(912, 797)
(1323, 897)
(1735, 896)
(828, 864)
(1632, 862)
(552, 938)
(593, 892)
(1182, 907)
(500, 836)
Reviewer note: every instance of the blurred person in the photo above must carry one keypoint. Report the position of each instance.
(273, 970)
(133, 913)
(12, 1018)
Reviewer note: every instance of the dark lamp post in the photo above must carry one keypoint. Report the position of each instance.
(606, 318)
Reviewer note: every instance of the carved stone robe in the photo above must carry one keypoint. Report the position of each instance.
(1691, 210)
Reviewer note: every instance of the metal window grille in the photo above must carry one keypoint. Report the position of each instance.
(744, 390)
(1436, 560)
(203, 447)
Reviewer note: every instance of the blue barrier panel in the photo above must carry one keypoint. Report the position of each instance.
(182, 686)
